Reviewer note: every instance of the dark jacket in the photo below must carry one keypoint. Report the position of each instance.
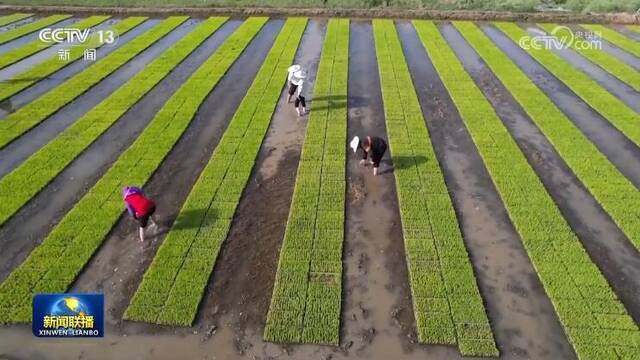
(377, 149)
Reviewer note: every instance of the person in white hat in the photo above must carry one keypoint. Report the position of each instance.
(297, 82)
(292, 88)
(370, 145)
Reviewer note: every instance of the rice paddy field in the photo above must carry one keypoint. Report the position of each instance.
(504, 222)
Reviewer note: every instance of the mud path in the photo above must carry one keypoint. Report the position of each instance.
(618, 88)
(608, 247)
(31, 141)
(621, 151)
(377, 315)
(121, 250)
(626, 57)
(15, 43)
(48, 83)
(522, 318)
(43, 211)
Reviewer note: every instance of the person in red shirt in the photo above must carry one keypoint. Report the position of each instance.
(139, 206)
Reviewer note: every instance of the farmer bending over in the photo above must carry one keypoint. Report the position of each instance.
(139, 206)
(297, 85)
(292, 88)
(370, 145)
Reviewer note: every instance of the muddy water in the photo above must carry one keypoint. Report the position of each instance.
(611, 83)
(45, 209)
(607, 245)
(45, 84)
(34, 35)
(521, 316)
(621, 151)
(23, 147)
(121, 249)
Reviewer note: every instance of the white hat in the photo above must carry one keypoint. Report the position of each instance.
(294, 68)
(355, 143)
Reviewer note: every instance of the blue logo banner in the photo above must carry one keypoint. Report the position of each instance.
(68, 315)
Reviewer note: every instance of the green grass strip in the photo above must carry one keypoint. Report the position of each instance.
(9, 19)
(635, 28)
(21, 184)
(606, 61)
(596, 322)
(54, 265)
(30, 27)
(629, 45)
(32, 114)
(610, 107)
(17, 54)
(174, 284)
(605, 182)
(446, 301)
(51, 65)
(306, 301)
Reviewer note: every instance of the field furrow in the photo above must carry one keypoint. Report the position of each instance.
(31, 27)
(606, 61)
(306, 302)
(53, 64)
(83, 229)
(32, 114)
(610, 107)
(10, 19)
(635, 28)
(174, 284)
(596, 323)
(616, 38)
(41, 167)
(35, 46)
(446, 301)
(605, 182)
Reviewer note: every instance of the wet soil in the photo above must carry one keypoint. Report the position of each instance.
(37, 218)
(615, 86)
(15, 43)
(121, 250)
(621, 151)
(33, 140)
(48, 83)
(521, 316)
(376, 12)
(608, 247)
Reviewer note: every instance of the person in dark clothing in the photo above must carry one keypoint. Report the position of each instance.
(139, 207)
(373, 147)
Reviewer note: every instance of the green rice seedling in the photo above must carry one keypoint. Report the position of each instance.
(610, 107)
(605, 182)
(31, 27)
(312, 246)
(58, 153)
(215, 202)
(17, 54)
(9, 19)
(615, 38)
(28, 77)
(606, 61)
(572, 282)
(100, 220)
(429, 223)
